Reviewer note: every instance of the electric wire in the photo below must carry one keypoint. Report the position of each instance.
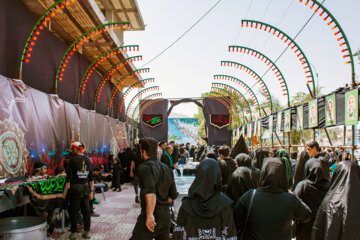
(188, 30)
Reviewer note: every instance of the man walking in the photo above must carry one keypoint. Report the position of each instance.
(157, 191)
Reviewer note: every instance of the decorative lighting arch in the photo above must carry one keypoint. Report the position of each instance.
(269, 62)
(138, 106)
(253, 74)
(242, 84)
(81, 40)
(231, 99)
(235, 113)
(108, 75)
(139, 94)
(290, 42)
(99, 60)
(229, 89)
(340, 34)
(119, 83)
(148, 105)
(37, 28)
(126, 93)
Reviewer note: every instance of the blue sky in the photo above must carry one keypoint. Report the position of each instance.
(187, 69)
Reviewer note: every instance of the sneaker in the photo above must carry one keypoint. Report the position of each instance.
(73, 236)
(115, 189)
(119, 190)
(94, 214)
(86, 235)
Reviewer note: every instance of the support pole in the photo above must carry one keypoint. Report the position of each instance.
(344, 142)
(289, 141)
(314, 137)
(352, 143)
(328, 137)
(278, 139)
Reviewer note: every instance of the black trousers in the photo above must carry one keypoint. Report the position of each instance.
(79, 200)
(162, 229)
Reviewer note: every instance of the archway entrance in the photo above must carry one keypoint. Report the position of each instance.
(215, 115)
(182, 128)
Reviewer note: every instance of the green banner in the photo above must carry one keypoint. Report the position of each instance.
(330, 110)
(300, 118)
(351, 107)
(287, 122)
(313, 113)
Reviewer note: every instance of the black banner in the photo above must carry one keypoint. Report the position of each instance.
(339, 114)
(160, 132)
(216, 136)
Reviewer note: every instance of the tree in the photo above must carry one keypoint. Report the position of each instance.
(357, 54)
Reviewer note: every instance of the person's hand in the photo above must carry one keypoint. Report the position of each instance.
(170, 200)
(131, 174)
(91, 195)
(125, 168)
(176, 165)
(150, 222)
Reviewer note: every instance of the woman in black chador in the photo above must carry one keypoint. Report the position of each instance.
(338, 217)
(312, 191)
(300, 169)
(245, 177)
(258, 158)
(117, 172)
(273, 207)
(206, 212)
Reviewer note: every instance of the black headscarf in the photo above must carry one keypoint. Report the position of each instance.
(259, 156)
(240, 147)
(245, 177)
(273, 176)
(205, 198)
(243, 159)
(300, 169)
(316, 170)
(338, 217)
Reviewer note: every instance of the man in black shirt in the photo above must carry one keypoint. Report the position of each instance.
(158, 190)
(78, 179)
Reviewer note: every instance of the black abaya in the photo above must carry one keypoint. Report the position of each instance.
(338, 216)
(312, 190)
(273, 206)
(245, 177)
(300, 169)
(206, 212)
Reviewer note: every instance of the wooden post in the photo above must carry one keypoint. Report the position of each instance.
(289, 141)
(344, 142)
(353, 143)
(278, 139)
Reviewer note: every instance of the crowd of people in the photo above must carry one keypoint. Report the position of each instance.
(236, 194)
(254, 195)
